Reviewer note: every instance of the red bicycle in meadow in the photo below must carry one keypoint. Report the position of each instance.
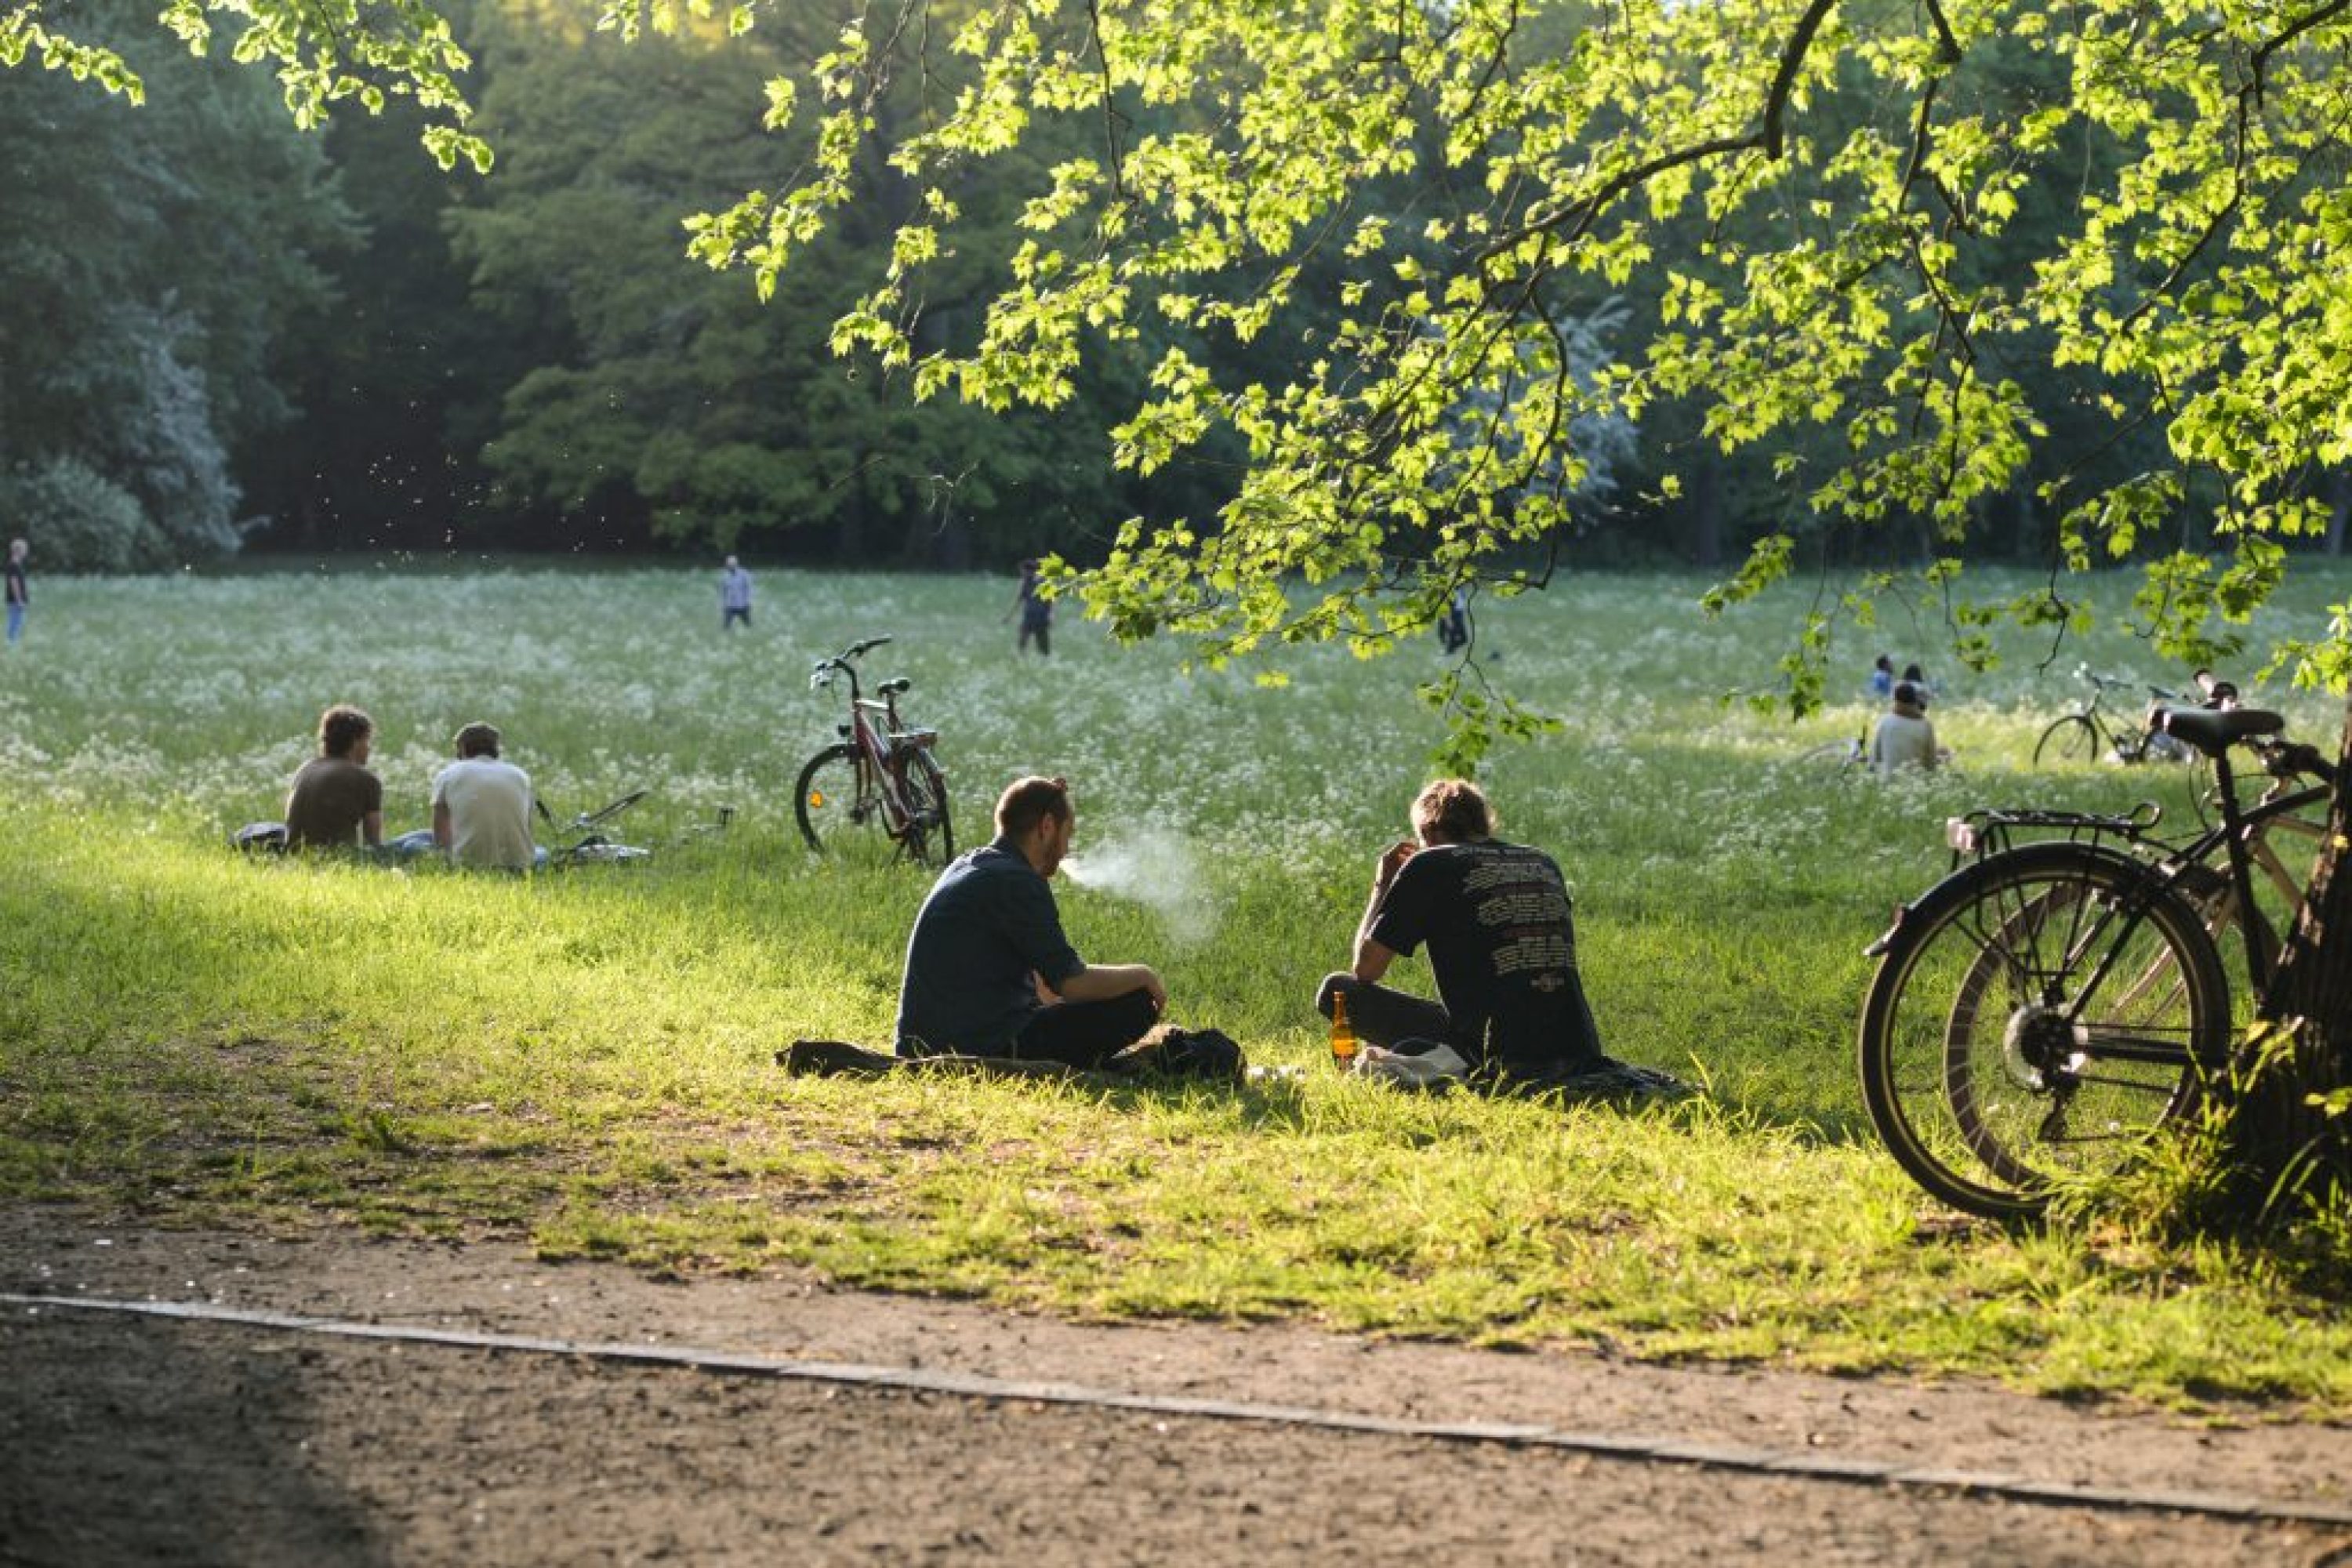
(880, 774)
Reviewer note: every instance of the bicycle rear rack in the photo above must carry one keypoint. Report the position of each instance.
(1989, 830)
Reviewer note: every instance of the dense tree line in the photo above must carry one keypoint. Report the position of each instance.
(215, 327)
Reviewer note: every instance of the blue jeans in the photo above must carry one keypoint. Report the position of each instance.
(15, 624)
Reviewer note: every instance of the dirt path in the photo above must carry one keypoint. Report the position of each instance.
(129, 1439)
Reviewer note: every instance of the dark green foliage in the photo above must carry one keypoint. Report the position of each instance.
(84, 521)
(150, 261)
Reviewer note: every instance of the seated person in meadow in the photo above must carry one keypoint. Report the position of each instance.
(481, 806)
(1903, 738)
(335, 802)
(1501, 941)
(989, 972)
(1882, 679)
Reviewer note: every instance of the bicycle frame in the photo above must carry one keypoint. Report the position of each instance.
(2125, 744)
(882, 749)
(2242, 835)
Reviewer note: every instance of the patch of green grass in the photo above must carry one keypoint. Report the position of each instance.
(586, 1059)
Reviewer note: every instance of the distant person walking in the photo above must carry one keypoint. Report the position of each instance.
(482, 806)
(20, 593)
(335, 801)
(1453, 625)
(1035, 610)
(734, 597)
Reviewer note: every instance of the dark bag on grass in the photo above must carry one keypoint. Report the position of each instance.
(1193, 1053)
(261, 839)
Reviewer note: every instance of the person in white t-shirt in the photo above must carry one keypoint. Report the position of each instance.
(482, 806)
(1903, 738)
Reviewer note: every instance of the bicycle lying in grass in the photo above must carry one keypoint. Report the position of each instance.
(2039, 1013)
(585, 841)
(881, 774)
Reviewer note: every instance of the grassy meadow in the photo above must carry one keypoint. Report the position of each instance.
(585, 1058)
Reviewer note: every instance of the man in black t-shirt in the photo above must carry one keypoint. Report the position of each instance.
(1501, 942)
(989, 971)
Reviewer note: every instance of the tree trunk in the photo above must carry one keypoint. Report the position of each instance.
(2339, 495)
(2286, 1145)
(1707, 514)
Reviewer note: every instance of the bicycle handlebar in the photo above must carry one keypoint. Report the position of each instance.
(2105, 683)
(822, 673)
(2293, 760)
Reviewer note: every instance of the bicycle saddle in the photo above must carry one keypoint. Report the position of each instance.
(894, 685)
(2213, 731)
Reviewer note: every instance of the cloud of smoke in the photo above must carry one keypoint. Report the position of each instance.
(1158, 871)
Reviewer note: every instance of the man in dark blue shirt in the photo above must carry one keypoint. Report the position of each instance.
(989, 972)
(1496, 918)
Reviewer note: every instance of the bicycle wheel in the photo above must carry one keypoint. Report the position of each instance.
(2038, 1015)
(2071, 741)
(930, 835)
(836, 795)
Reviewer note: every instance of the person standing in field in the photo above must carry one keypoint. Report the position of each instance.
(335, 801)
(1903, 738)
(481, 806)
(1035, 610)
(20, 592)
(1501, 940)
(1453, 625)
(734, 597)
(989, 971)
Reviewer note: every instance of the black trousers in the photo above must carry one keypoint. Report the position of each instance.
(1383, 1017)
(1085, 1034)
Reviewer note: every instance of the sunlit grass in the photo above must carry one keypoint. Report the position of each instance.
(587, 1058)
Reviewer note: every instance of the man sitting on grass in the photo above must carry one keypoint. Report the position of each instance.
(481, 806)
(1501, 941)
(335, 802)
(1905, 739)
(989, 972)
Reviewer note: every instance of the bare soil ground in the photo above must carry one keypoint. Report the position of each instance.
(126, 1440)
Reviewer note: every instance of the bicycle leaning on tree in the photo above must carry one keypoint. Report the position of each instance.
(2062, 995)
(881, 776)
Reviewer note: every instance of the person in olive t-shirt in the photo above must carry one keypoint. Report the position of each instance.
(335, 801)
(989, 972)
(1501, 942)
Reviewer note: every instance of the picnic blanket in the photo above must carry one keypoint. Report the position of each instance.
(1606, 1079)
(1170, 1053)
